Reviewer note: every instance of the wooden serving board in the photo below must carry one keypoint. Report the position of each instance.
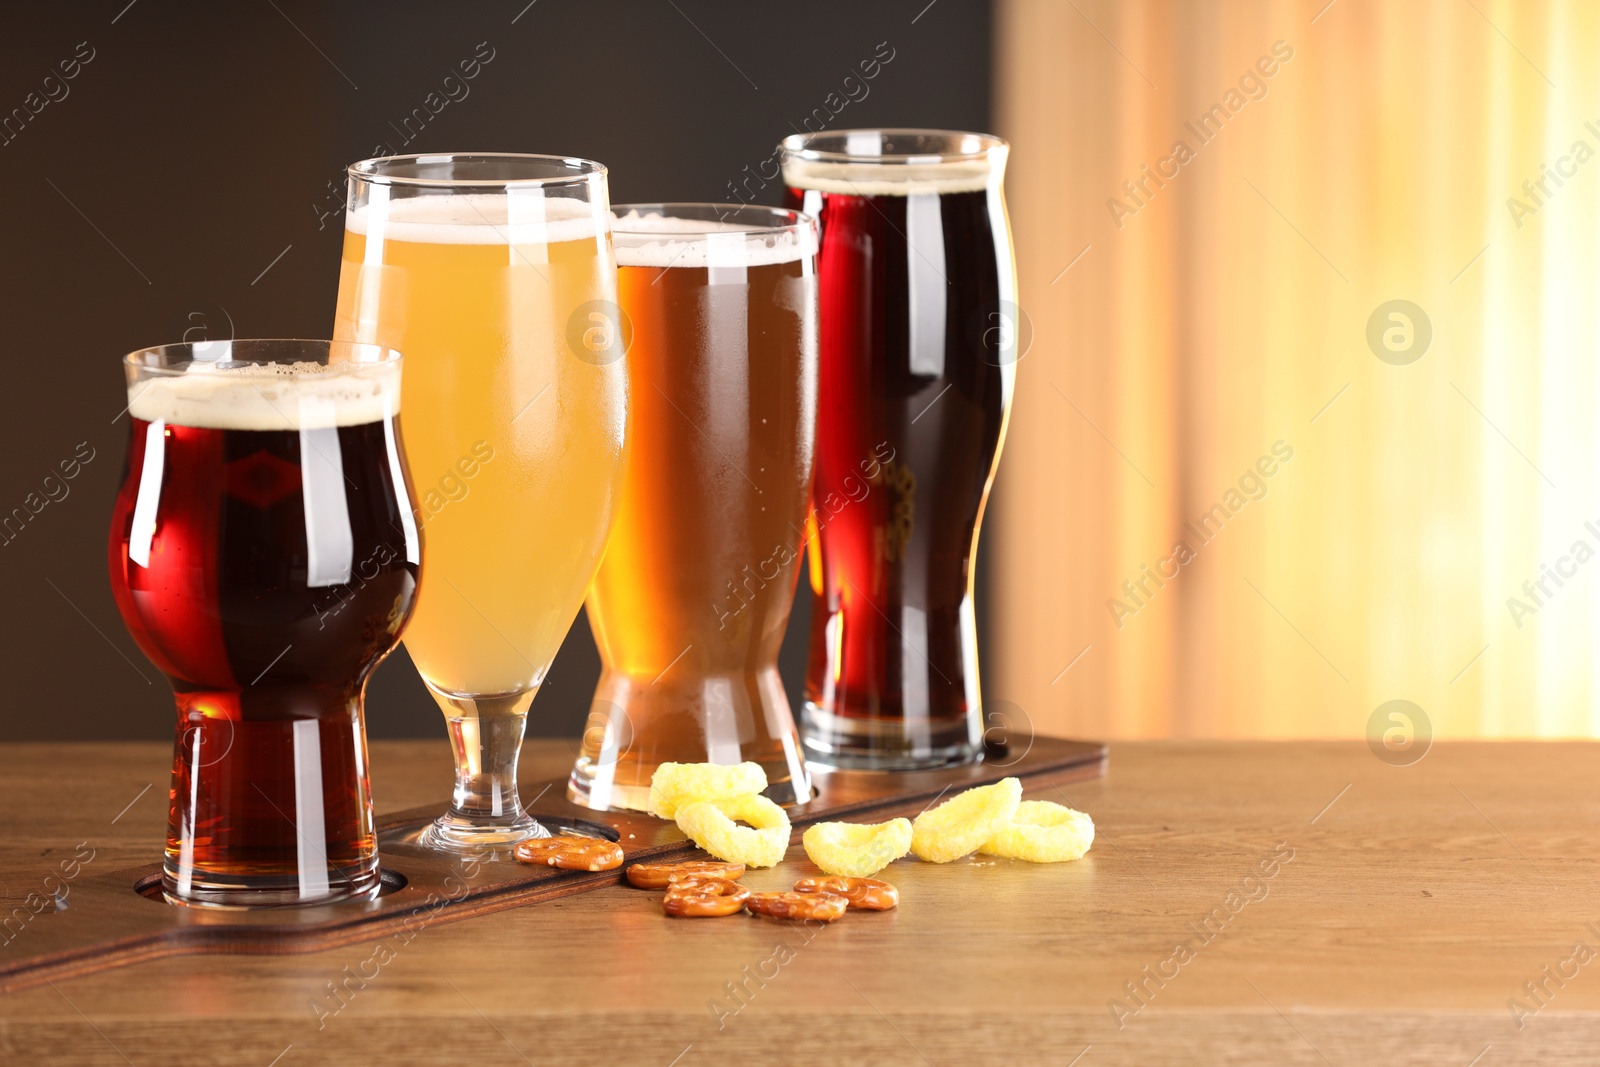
(117, 918)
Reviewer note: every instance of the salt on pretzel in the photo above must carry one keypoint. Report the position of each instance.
(661, 875)
(822, 907)
(700, 897)
(866, 893)
(571, 853)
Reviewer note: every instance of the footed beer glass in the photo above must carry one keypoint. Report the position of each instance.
(264, 555)
(494, 274)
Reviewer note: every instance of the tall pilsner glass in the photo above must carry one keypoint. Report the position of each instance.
(691, 604)
(494, 275)
(918, 355)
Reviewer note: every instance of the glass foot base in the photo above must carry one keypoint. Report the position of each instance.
(593, 785)
(839, 759)
(256, 891)
(451, 833)
(840, 742)
(638, 722)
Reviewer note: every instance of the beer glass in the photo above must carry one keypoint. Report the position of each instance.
(919, 346)
(494, 274)
(265, 557)
(690, 605)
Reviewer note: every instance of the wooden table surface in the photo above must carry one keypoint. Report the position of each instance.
(1406, 910)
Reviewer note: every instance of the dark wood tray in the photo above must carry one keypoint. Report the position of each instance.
(118, 917)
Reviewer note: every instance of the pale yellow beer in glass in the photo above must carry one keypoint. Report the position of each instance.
(494, 275)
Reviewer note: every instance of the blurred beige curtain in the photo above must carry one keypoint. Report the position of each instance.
(1364, 233)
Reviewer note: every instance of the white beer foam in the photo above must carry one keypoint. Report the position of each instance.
(526, 217)
(269, 396)
(666, 241)
(897, 177)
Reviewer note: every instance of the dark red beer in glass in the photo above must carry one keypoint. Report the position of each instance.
(265, 557)
(918, 344)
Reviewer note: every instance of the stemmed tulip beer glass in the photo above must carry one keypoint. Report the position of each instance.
(494, 275)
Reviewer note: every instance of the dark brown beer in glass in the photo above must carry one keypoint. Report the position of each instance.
(264, 556)
(918, 344)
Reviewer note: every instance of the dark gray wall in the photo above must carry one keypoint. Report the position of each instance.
(182, 176)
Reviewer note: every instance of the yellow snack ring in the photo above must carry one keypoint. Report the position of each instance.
(710, 823)
(1043, 832)
(676, 784)
(958, 826)
(854, 849)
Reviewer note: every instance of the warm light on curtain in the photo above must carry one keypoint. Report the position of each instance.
(1217, 208)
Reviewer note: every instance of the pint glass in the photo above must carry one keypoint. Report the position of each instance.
(918, 353)
(690, 605)
(265, 557)
(494, 275)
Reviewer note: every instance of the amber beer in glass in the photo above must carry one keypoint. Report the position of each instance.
(494, 275)
(690, 605)
(918, 351)
(264, 555)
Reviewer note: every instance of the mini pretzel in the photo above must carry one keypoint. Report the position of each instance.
(661, 875)
(699, 897)
(691, 881)
(823, 907)
(867, 893)
(571, 853)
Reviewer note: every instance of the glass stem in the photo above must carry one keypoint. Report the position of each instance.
(486, 737)
(486, 748)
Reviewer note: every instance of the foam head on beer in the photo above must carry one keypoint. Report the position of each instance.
(892, 163)
(269, 396)
(646, 239)
(525, 217)
(882, 175)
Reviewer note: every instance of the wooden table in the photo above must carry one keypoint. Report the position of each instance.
(1417, 903)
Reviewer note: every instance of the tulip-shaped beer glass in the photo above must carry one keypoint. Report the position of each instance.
(264, 556)
(494, 274)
